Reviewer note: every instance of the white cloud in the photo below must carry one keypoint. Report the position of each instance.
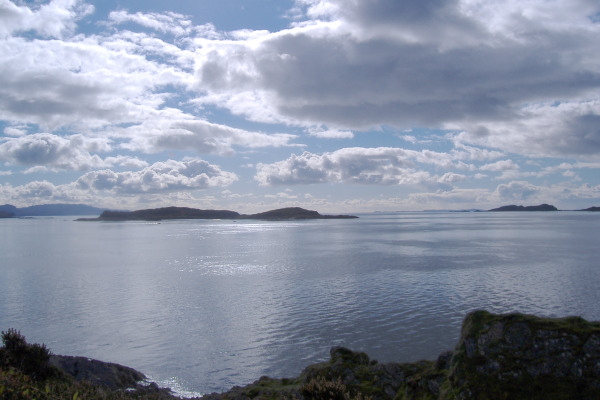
(15, 131)
(201, 136)
(450, 178)
(168, 22)
(385, 166)
(502, 165)
(54, 19)
(325, 133)
(517, 190)
(88, 81)
(381, 165)
(54, 152)
(463, 198)
(168, 176)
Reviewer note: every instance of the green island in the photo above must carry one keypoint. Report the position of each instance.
(498, 356)
(164, 213)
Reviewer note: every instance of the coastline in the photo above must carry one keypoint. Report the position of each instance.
(514, 356)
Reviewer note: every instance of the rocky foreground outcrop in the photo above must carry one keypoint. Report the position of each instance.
(511, 356)
(498, 356)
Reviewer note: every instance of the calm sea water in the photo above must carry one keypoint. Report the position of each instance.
(201, 306)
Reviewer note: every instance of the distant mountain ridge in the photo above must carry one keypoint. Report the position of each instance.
(46, 210)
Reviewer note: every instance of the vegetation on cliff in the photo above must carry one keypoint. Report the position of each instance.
(32, 372)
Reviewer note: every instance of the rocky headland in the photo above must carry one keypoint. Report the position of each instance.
(498, 356)
(158, 214)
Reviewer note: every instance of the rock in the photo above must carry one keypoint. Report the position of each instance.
(510, 356)
(109, 375)
(519, 356)
(498, 356)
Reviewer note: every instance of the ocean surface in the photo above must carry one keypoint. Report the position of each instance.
(202, 305)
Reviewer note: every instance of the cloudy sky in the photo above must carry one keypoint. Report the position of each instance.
(332, 105)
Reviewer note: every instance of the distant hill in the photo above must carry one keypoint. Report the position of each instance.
(6, 214)
(46, 210)
(541, 207)
(293, 213)
(157, 214)
(591, 209)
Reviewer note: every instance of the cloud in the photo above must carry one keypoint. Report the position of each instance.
(15, 131)
(450, 178)
(381, 165)
(168, 22)
(165, 22)
(502, 165)
(88, 81)
(568, 128)
(54, 152)
(160, 177)
(324, 133)
(471, 198)
(358, 65)
(53, 20)
(385, 166)
(41, 192)
(197, 135)
(517, 190)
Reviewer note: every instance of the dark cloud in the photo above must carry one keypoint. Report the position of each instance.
(453, 65)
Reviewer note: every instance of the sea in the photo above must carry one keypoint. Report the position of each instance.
(203, 305)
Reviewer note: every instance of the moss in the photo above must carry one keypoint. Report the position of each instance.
(269, 388)
(520, 356)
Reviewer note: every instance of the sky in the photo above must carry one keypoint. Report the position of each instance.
(331, 105)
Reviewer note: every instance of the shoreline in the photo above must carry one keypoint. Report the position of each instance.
(514, 356)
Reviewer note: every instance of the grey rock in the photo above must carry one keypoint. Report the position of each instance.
(110, 375)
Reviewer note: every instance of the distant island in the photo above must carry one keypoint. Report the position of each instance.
(541, 207)
(158, 214)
